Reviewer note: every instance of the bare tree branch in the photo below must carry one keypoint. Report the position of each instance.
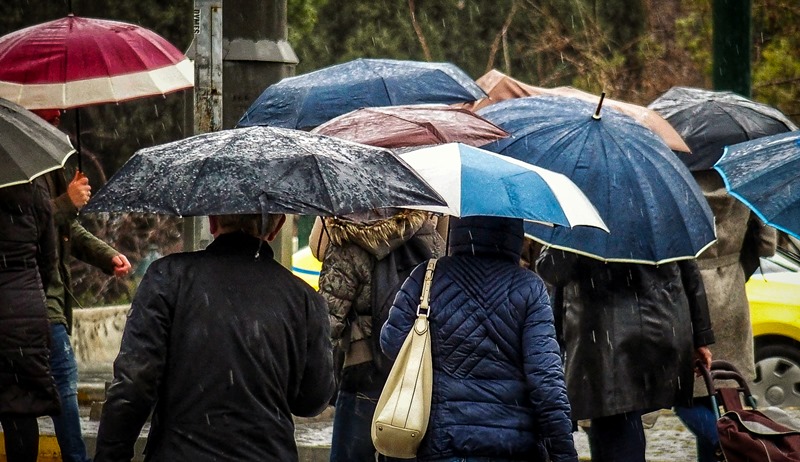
(418, 31)
(501, 37)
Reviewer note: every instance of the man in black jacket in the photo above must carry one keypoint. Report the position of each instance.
(226, 344)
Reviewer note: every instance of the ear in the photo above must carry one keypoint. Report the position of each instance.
(274, 233)
(213, 225)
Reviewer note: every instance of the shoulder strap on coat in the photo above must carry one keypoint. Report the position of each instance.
(424, 298)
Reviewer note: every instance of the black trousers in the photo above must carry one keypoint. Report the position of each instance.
(21, 438)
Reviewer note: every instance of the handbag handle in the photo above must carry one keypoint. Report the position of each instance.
(423, 308)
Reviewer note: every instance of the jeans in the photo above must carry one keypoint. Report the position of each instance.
(352, 421)
(617, 438)
(701, 421)
(65, 372)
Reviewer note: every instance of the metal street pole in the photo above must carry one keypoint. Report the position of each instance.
(732, 45)
(207, 22)
(248, 49)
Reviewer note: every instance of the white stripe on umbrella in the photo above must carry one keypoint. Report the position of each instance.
(488, 192)
(115, 89)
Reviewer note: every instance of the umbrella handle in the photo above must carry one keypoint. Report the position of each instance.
(78, 138)
(596, 115)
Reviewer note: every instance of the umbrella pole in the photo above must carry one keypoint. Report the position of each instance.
(78, 138)
(596, 115)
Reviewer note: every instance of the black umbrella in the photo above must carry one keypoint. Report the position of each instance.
(710, 120)
(29, 146)
(261, 170)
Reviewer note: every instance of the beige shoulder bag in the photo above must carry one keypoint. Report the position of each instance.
(401, 416)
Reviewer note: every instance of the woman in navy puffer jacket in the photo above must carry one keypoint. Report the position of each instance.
(498, 390)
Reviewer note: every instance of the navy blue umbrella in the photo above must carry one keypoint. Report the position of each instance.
(308, 100)
(653, 208)
(763, 173)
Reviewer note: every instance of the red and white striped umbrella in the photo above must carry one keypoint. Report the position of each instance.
(73, 62)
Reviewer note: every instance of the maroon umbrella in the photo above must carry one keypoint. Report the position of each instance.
(412, 125)
(73, 62)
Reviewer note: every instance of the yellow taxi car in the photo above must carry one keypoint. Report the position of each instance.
(306, 267)
(774, 295)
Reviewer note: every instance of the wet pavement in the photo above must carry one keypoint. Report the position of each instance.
(667, 440)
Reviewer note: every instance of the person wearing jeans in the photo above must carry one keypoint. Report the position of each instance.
(72, 239)
(702, 422)
(65, 372)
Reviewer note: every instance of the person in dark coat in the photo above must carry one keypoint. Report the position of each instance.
(227, 345)
(498, 384)
(632, 333)
(28, 249)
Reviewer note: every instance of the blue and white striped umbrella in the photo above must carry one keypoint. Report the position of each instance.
(475, 182)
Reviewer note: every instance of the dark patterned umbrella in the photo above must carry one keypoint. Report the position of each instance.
(262, 170)
(710, 120)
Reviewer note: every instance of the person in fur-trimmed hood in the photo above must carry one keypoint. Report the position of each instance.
(357, 244)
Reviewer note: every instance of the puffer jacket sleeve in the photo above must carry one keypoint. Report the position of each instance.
(317, 384)
(339, 280)
(543, 369)
(403, 313)
(139, 367)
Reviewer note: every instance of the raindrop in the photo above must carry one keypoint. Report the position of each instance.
(594, 340)
(155, 107)
(116, 133)
(230, 373)
(208, 420)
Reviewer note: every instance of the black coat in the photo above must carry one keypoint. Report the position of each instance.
(27, 247)
(630, 331)
(226, 347)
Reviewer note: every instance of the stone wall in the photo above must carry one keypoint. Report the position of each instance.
(96, 336)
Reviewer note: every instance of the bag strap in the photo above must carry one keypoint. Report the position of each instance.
(423, 308)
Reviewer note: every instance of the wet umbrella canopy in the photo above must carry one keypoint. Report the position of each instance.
(710, 120)
(29, 146)
(260, 170)
(309, 100)
(654, 209)
(765, 175)
(412, 125)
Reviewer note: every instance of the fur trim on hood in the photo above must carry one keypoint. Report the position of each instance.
(379, 237)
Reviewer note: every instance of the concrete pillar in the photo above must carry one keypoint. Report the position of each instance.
(256, 54)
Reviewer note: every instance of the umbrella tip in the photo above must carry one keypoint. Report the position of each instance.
(596, 115)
